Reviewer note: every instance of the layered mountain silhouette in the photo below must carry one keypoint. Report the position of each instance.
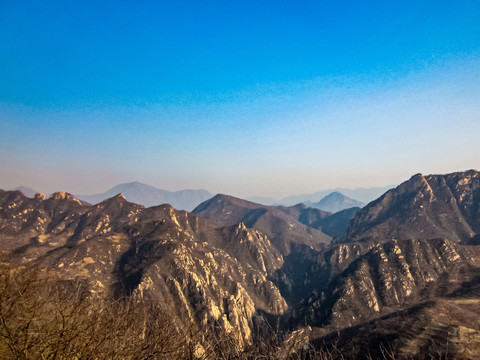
(283, 228)
(137, 192)
(403, 277)
(150, 196)
(287, 227)
(363, 195)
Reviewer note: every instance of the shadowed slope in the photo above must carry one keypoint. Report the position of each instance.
(209, 273)
(280, 224)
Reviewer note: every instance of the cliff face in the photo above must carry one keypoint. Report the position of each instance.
(413, 251)
(354, 282)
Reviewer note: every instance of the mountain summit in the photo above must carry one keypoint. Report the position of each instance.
(364, 195)
(431, 206)
(335, 202)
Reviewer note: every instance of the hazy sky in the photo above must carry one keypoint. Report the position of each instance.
(267, 98)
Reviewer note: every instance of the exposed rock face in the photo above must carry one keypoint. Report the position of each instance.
(415, 245)
(211, 274)
(443, 328)
(39, 196)
(355, 282)
(423, 207)
(408, 256)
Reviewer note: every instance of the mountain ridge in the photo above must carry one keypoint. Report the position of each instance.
(245, 267)
(283, 228)
(28, 192)
(126, 249)
(147, 195)
(154, 196)
(432, 205)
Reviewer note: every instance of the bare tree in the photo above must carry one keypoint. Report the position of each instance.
(44, 317)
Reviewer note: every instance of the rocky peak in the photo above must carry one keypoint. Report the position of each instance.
(209, 273)
(120, 196)
(115, 202)
(220, 201)
(61, 195)
(12, 195)
(241, 226)
(39, 196)
(424, 206)
(237, 264)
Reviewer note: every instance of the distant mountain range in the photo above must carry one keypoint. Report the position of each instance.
(28, 192)
(147, 195)
(360, 194)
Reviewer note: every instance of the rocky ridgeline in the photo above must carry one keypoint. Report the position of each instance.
(356, 282)
(423, 207)
(209, 273)
(239, 265)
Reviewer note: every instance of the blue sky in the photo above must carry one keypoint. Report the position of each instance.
(267, 98)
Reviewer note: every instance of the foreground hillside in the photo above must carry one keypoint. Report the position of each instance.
(237, 278)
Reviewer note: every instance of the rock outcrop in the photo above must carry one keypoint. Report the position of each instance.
(236, 265)
(211, 274)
